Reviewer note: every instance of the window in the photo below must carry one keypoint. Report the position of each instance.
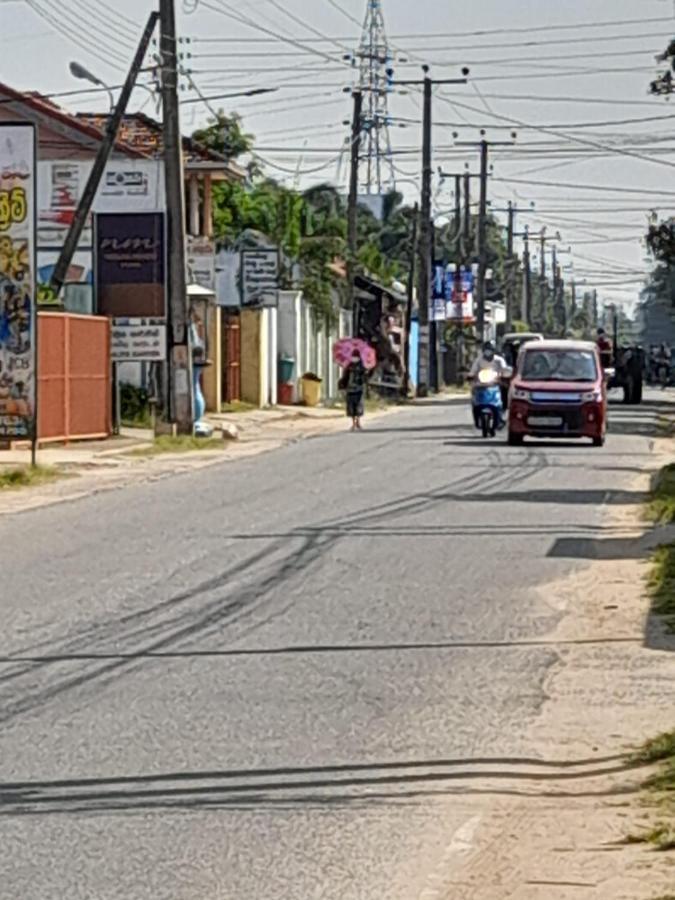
(559, 365)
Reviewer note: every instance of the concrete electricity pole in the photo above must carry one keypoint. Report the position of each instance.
(527, 275)
(179, 361)
(425, 240)
(484, 147)
(352, 207)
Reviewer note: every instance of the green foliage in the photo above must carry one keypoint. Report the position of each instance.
(135, 409)
(224, 136)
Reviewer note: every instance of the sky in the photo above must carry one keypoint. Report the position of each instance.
(581, 66)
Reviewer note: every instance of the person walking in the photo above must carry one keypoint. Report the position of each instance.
(353, 382)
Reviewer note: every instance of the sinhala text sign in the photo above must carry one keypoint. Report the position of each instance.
(138, 340)
(259, 277)
(17, 282)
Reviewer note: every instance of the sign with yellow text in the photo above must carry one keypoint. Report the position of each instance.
(18, 374)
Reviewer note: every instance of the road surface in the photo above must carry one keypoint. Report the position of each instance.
(262, 680)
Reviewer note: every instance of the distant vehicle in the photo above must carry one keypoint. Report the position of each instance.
(558, 391)
(510, 348)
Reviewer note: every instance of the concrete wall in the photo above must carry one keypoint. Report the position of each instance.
(290, 338)
(311, 348)
(211, 378)
(251, 356)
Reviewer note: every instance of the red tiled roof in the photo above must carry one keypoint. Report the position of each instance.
(46, 107)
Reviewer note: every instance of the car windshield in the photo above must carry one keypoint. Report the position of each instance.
(559, 365)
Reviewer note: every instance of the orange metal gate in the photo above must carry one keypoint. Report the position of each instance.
(231, 359)
(74, 380)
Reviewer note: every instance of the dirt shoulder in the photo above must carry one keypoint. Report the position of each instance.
(93, 467)
(563, 836)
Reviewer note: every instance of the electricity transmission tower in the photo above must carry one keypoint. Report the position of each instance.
(374, 60)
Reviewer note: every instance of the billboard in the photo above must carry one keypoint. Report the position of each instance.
(18, 375)
(452, 294)
(130, 265)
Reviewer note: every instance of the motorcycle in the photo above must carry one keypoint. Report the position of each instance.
(487, 402)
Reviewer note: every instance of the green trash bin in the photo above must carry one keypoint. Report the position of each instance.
(286, 367)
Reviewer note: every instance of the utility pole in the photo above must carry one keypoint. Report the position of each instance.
(467, 214)
(409, 300)
(180, 363)
(527, 275)
(425, 248)
(88, 194)
(509, 232)
(543, 284)
(352, 210)
(484, 147)
(482, 241)
(527, 311)
(424, 265)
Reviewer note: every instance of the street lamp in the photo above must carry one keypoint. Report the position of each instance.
(79, 71)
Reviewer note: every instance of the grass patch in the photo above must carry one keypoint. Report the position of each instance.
(661, 505)
(661, 786)
(25, 476)
(661, 584)
(237, 406)
(661, 837)
(179, 444)
(140, 420)
(658, 749)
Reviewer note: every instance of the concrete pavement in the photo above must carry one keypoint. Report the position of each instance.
(310, 674)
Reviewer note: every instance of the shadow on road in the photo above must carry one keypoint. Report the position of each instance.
(333, 784)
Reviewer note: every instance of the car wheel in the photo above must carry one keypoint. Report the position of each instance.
(515, 440)
(599, 441)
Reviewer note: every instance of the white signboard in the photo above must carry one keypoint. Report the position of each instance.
(260, 277)
(18, 373)
(131, 185)
(201, 262)
(138, 340)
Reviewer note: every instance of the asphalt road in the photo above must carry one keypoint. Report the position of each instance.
(259, 681)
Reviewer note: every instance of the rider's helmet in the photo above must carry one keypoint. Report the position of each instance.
(488, 350)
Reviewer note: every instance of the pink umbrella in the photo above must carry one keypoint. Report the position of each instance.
(344, 349)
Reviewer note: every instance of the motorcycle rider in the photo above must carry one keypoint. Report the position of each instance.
(488, 359)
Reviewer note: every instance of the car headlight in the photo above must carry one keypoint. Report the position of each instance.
(520, 394)
(592, 397)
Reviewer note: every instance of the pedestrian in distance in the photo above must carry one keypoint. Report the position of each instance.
(353, 382)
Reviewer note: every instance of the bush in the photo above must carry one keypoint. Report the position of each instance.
(135, 409)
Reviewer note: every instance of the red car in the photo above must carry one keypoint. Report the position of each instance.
(558, 391)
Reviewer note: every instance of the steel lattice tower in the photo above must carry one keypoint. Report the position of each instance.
(374, 60)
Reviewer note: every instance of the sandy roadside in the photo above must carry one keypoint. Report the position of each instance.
(558, 837)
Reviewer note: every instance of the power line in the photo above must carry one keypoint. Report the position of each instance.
(132, 30)
(120, 47)
(486, 32)
(601, 124)
(224, 9)
(307, 26)
(344, 12)
(539, 98)
(571, 138)
(75, 38)
(585, 187)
